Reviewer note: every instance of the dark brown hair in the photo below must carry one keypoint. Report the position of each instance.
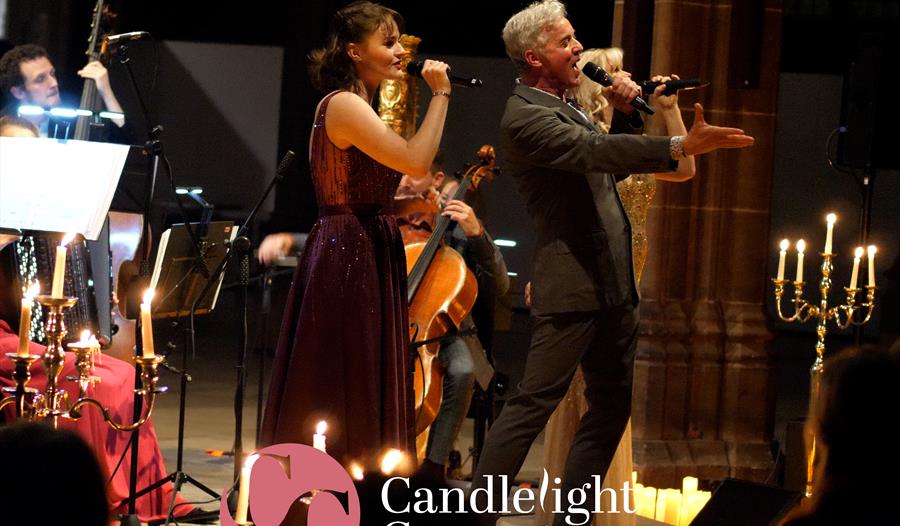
(330, 67)
(10, 72)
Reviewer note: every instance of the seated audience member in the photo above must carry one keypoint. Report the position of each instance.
(857, 459)
(50, 477)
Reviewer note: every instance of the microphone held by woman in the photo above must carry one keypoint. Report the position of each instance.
(415, 68)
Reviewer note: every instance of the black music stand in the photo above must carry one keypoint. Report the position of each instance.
(181, 276)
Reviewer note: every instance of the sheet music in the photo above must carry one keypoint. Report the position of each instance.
(58, 186)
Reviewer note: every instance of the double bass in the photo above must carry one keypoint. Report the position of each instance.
(441, 292)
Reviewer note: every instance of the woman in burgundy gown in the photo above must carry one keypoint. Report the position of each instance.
(342, 354)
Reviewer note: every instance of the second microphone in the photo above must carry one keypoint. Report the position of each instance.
(415, 69)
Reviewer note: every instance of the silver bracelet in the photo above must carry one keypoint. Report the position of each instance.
(440, 92)
(676, 147)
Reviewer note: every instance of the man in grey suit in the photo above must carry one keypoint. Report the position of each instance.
(584, 297)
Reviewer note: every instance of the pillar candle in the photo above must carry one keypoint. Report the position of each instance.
(872, 251)
(243, 503)
(856, 257)
(319, 437)
(831, 218)
(25, 319)
(147, 325)
(59, 267)
(801, 247)
(781, 256)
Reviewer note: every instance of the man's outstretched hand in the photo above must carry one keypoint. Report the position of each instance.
(704, 138)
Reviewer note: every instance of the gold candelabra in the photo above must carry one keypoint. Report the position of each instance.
(844, 316)
(53, 402)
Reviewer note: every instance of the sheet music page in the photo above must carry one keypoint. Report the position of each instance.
(58, 186)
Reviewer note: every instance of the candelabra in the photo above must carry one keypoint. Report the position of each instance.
(844, 316)
(53, 404)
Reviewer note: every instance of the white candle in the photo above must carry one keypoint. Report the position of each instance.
(801, 247)
(25, 319)
(59, 267)
(781, 257)
(872, 251)
(689, 486)
(856, 257)
(831, 218)
(147, 325)
(243, 503)
(319, 437)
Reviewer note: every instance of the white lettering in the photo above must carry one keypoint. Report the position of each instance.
(577, 497)
(628, 497)
(523, 494)
(489, 494)
(460, 502)
(384, 495)
(424, 506)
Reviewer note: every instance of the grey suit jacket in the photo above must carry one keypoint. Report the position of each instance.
(564, 169)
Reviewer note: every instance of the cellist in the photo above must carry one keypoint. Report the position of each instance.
(471, 240)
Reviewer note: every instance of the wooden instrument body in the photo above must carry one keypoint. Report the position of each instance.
(445, 297)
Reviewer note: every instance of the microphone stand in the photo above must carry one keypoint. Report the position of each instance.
(153, 148)
(240, 247)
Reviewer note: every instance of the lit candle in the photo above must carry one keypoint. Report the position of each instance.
(391, 461)
(872, 251)
(831, 218)
(689, 486)
(856, 257)
(147, 325)
(319, 437)
(781, 255)
(243, 503)
(59, 267)
(25, 319)
(801, 247)
(356, 471)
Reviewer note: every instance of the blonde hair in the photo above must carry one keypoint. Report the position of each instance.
(525, 29)
(589, 94)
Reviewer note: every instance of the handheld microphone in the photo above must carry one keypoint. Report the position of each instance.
(596, 73)
(415, 68)
(113, 40)
(673, 85)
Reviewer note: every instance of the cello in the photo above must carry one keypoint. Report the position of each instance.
(441, 292)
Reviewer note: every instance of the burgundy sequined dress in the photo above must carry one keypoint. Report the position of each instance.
(342, 354)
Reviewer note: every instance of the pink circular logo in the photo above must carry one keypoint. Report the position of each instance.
(285, 472)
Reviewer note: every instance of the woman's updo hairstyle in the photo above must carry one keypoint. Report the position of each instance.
(331, 67)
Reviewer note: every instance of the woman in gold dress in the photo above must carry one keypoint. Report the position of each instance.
(636, 193)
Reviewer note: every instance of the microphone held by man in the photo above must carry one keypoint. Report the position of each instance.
(596, 73)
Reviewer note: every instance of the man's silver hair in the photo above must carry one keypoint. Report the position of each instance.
(525, 30)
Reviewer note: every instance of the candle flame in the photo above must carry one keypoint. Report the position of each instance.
(356, 471)
(831, 218)
(67, 239)
(801, 246)
(85, 336)
(785, 244)
(872, 250)
(321, 427)
(148, 295)
(859, 252)
(391, 460)
(33, 291)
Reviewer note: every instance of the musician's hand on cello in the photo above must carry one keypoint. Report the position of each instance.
(464, 216)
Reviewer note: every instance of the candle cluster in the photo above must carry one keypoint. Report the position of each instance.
(671, 506)
(831, 219)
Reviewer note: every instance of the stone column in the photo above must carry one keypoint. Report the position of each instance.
(704, 387)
